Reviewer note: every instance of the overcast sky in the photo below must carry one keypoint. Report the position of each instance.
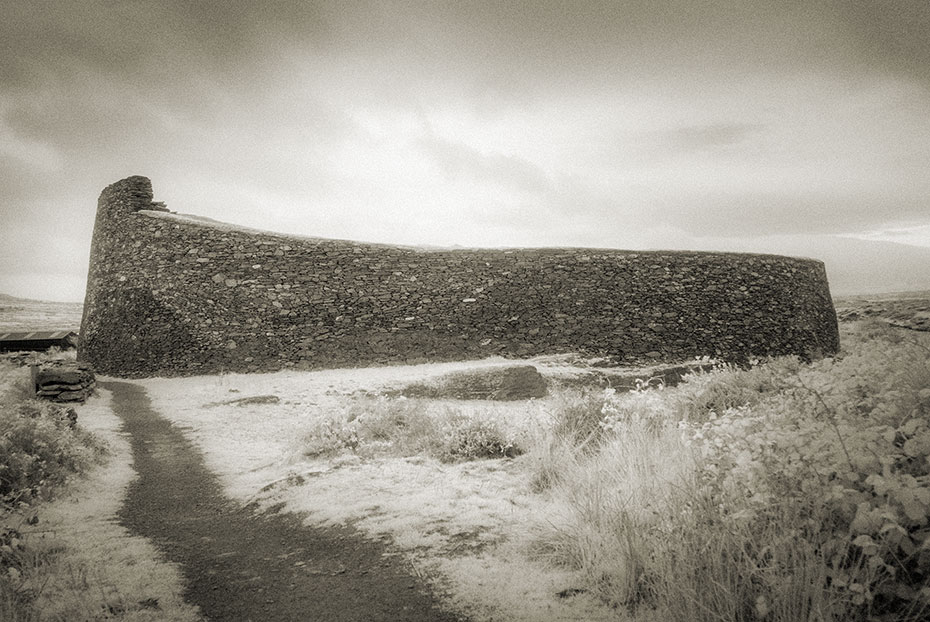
(733, 125)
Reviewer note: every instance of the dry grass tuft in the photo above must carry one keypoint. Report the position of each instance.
(408, 427)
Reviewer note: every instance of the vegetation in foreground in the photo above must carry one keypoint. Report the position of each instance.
(783, 492)
(41, 448)
(409, 427)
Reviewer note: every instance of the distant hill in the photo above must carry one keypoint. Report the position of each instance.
(19, 314)
(906, 309)
(12, 300)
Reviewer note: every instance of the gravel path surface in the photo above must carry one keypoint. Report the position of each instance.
(239, 565)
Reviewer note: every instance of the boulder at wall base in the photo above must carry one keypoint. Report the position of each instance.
(517, 382)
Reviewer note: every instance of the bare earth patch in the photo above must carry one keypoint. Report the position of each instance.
(464, 526)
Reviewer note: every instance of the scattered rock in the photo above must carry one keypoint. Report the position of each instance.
(247, 401)
(572, 591)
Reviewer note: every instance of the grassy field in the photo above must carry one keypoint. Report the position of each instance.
(780, 492)
(908, 310)
(20, 314)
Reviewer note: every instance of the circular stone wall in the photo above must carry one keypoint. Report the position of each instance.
(175, 295)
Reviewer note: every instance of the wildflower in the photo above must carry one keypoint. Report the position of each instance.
(762, 606)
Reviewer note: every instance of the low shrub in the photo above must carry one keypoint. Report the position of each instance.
(404, 426)
(577, 417)
(606, 506)
(582, 421)
(407, 427)
(708, 394)
(40, 448)
(329, 436)
(16, 597)
(472, 439)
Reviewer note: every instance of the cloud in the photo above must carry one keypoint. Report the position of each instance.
(527, 122)
(887, 36)
(458, 161)
(787, 212)
(138, 41)
(28, 152)
(914, 235)
(514, 50)
(707, 137)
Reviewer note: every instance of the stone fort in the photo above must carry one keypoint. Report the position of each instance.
(169, 294)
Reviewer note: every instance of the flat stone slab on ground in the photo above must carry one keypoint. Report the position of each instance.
(516, 382)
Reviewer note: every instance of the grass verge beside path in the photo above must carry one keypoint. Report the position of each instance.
(67, 559)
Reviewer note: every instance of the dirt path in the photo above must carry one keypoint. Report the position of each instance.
(243, 566)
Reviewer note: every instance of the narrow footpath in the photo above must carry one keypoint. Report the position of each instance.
(242, 566)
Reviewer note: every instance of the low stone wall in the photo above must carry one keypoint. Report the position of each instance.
(173, 295)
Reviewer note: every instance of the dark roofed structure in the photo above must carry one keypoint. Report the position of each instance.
(37, 341)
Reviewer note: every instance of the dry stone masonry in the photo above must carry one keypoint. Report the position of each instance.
(175, 295)
(62, 381)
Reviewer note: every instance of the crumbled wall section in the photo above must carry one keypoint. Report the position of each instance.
(168, 295)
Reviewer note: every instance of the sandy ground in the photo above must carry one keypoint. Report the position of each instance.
(465, 527)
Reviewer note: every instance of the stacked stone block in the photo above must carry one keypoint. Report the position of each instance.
(61, 381)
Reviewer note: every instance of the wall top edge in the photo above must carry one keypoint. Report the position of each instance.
(217, 225)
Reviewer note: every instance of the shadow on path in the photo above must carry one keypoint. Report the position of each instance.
(242, 566)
